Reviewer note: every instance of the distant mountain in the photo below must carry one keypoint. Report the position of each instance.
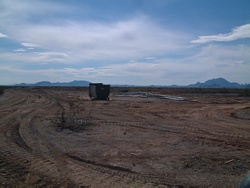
(75, 83)
(219, 83)
(213, 83)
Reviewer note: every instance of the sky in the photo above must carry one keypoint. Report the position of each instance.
(139, 42)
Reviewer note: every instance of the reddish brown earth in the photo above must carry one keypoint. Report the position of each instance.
(58, 137)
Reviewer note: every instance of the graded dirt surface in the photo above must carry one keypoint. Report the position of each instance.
(59, 137)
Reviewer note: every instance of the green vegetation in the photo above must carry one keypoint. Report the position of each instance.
(1, 90)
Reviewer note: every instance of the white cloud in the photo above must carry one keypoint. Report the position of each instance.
(17, 11)
(49, 57)
(221, 55)
(19, 50)
(2, 35)
(33, 57)
(230, 62)
(212, 61)
(132, 50)
(126, 39)
(29, 45)
(150, 58)
(84, 40)
(62, 74)
(237, 33)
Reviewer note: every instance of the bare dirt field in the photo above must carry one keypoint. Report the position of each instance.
(59, 137)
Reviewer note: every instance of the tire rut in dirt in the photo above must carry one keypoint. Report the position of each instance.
(221, 139)
(124, 174)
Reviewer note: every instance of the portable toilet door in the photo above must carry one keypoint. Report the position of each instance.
(92, 91)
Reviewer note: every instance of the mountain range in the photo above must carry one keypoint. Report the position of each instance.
(213, 83)
(218, 83)
(75, 83)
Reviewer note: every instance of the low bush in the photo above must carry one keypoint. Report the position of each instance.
(1, 90)
(246, 93)
(74, 119)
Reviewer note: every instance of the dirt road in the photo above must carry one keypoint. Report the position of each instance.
(59, 137)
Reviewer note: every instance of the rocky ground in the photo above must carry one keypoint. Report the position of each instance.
(59, 137)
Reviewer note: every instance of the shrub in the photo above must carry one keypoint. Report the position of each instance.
(246, 93)
(1, 90)
(73, 119)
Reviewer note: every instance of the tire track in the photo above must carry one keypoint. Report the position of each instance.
(122, 174)
(55, 167)
(31, 153)
(15, 145)
(202, 136)
(42, 166)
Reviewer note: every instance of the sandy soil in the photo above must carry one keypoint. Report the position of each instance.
(59, 137)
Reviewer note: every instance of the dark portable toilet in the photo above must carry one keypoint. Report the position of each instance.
(99, 91)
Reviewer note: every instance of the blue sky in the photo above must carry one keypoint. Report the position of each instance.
(141, 42)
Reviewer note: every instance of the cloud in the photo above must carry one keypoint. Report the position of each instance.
(17, 11)
(86, 39)
(2, 35)
(29, 58)
(212, 61)
(63, 74)
(19, 50)
(237, 33)
(29, 45)
(150, 58)
(62, 44)
(220, 54)
(126, 39)
(49, 56)
(208, 62)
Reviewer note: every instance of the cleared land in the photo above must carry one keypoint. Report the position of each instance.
(58, 137)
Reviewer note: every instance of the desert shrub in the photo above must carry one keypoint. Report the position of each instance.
(74, 119)
(225, 91)
(246, 93)
(62, 122)
(1, 90)
(124, 91)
